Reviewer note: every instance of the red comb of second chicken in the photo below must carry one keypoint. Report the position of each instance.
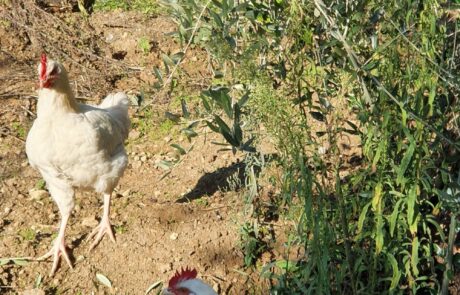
(185, 274)
(43, 69)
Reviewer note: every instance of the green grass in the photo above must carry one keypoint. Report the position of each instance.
(20, 129)
(148, 7)
(144, 45)
(27, 234)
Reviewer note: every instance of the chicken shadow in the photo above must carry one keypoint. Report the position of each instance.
(231, 178)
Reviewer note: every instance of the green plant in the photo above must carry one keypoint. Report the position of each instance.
(144, 45)
(27, 234)
(315, 72)
(20, 130)
(148, 7)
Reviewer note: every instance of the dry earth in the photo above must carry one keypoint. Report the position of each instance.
(187, 218)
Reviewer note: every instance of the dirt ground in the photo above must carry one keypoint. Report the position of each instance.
(187, 218)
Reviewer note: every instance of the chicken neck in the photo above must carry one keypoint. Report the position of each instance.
(53, 101)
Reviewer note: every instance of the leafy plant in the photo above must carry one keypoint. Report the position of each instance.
(313, 73)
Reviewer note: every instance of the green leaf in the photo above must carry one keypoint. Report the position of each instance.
(153, 286)
(362, 217)
(243, 100)
(216, 18)
(396, 273)
(212, 127)
(189, 133)
(20, 262)
(414, 256)
(405, 162)
(394, 216)
(379, 240)
(179, 148)
(158, 74)
(376, 199)
(104, 280)
(167, 60)
(185, 111)
(4, 261)
(222, 125)
(411, 199)
(318, 116)
(165, 165)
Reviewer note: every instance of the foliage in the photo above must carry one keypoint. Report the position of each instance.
(314, 72)
(148, 7)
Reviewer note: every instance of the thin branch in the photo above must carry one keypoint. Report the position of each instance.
(173, 71)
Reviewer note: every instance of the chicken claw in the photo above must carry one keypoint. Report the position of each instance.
(56, 251)
(103, 228)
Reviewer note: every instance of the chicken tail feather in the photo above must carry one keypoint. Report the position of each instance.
(117, 105)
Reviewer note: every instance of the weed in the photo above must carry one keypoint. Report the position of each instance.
(333, 69)
(121, 229)
(147, 7)
(144, 45)
(20, 130)
(203, 202)
(40, 184)
(27, 234)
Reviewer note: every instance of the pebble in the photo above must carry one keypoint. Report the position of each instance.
(137, 164)
(7, 210)
(37, 194)
(164, 268)
(126, 193)
(174, 236)
(33, 292)
(89, 221)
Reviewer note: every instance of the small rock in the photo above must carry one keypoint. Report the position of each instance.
(7, 210)
(167, 139)
(80, 258)
(157, 194)
(143, 158)
(126, 193)
(174, 236)
(37, 194)
(164, 268)
(89, 221)
(52, 216)
(137, 165)
(134, 134)
(33, 292)
(10, 182)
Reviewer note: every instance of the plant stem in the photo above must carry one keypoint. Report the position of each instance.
(346, 233)
(450, 248)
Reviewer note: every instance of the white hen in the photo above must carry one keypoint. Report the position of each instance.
(76, 145)
(186, 283)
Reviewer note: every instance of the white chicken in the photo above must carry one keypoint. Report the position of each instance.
(76, 145)
(186, 283)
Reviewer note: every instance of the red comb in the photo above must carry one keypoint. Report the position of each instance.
(43, 69)
(184, 275)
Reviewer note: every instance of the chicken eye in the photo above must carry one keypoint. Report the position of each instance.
(54, 71)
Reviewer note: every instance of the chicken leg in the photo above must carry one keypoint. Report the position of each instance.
(104, 226)
(58, 248)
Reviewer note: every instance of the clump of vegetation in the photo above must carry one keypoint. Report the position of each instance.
(27, 234)
(313, 73)
(147, 7)
(144, 45)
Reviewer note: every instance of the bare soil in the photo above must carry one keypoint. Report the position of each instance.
(191, 217)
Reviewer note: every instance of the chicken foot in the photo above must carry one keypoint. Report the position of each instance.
(104, 226)
(58, 248)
